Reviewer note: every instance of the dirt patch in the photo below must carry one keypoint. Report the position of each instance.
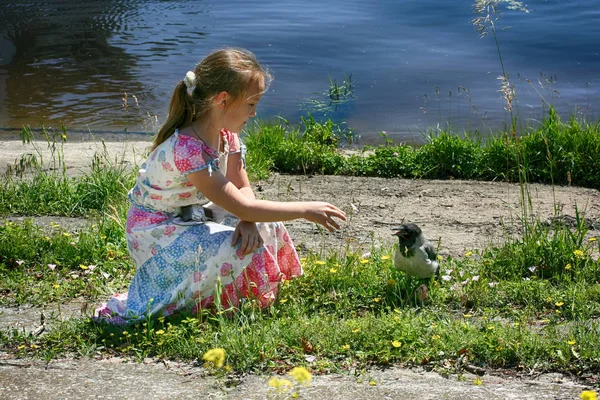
(456, 215)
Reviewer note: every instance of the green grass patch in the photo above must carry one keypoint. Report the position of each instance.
(553, 152)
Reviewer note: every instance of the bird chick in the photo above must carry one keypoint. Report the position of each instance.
(414, 255)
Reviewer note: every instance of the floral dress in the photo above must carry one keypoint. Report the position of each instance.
(180, 263)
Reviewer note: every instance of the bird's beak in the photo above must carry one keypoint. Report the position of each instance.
(399, 234)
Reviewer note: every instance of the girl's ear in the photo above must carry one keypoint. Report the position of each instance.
(222, 100)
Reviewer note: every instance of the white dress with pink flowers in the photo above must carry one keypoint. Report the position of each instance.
(180, 263)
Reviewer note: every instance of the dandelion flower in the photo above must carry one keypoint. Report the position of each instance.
(280, 384)
(364, 260)
(467, 315)
(578, 253)
(300, 374)
(377, 299)
(333, 270)
(320, 262)
(372, 383)
(391, 282)
(559, 303)
(215, 356)
(593, 239)
(396, 344)
(160, 332)
(568, 267)
(356, 330)
(386, 257)
(346, 347)
(477, 381)
(588, 395)
(571, 342)
(56, 286)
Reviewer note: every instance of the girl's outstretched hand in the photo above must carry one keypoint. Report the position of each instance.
(322, 213)
(248, 234)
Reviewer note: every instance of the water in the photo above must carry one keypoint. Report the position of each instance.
(414, 64)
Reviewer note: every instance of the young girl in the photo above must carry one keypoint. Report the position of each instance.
(194, 220)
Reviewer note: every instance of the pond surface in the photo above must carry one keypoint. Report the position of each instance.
(111, 65)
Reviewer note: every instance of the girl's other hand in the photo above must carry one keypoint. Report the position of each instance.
(322, 213)
(249, 235)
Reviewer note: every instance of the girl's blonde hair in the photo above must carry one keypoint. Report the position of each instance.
(232, 70)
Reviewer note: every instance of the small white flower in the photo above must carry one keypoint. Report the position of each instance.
(492, 284)
(52, 266)
(475, 278)
(532, 268)
(446, 278)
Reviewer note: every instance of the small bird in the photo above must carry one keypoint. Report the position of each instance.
(415, 255)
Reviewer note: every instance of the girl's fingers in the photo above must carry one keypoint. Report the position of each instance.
(236, 236)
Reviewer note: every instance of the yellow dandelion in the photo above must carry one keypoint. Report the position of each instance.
(346, 347)
(436, 337)
(303, 259)
(578, 253)
(56, 286)
(333, 270)
(364, 260)
(386, 257)
(559, 303)
(391, 282)
(468, 254)
(397, 311)
(568, 267)
(549, 299)
(396, 343)
(571, 342)
(280, 384)
(477, 381)
(66, 234)
(588, 395)
(215, 356)
(372, 383)
(320, 262)
(83, 266)
(440, 258)
(283, 300)
(21, 347)
(300, 374)
(356, 330)
(593, 239)
(160, 332)
(377, 299)
(490, 328)
(467, 315)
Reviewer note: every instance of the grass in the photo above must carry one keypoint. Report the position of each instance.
(553, 152)
(533, 302)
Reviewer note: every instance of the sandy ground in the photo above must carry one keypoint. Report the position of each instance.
(457, 215)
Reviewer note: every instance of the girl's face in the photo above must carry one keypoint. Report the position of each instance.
(241, 110)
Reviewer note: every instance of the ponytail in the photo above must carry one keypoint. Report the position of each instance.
(181, 113)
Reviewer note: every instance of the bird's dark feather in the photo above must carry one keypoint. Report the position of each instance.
(431, 254)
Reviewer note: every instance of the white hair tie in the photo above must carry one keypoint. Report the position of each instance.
(190, 79)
